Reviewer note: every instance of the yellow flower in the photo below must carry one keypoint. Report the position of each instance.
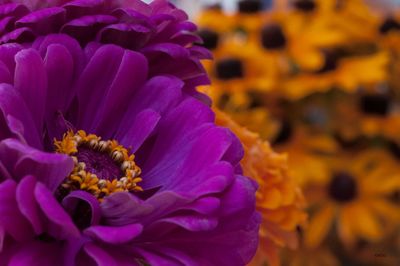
(347, 74)
(321, 256)
(214, 18)
(279, 199)
(366, 114)
(354, 196)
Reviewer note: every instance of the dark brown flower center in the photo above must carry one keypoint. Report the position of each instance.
(210, 38)
(390, 24)
(330, 62)
(285, 133)
(305, 5)
(272, 37)
(343, 187)
(249, 6)
(375, 104)
(229, 68)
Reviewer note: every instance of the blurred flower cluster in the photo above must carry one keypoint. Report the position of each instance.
(319, 80)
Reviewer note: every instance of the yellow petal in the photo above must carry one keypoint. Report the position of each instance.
(345, 228)
(366, 223)
(319, 226)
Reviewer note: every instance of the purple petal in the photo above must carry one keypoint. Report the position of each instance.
(59, 66)
(15, 110)
(131, 75)
(95, 81)
(20, 35)
(129, 36)
(99, 255)
(49, 168)
(123, 208)
(61, 225)
(37, 254)
(146, 120)
(27, 203)
(137, 5)
(7, 54)
(43, 21)
(113, 234)
(13, 9)
(79, 8)
(73, 198)
(6, 25)
(5, 75)
(11, 220)
(31, 82)
(195, 223)
(86, 28)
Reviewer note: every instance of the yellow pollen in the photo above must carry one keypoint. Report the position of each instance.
(80, 179)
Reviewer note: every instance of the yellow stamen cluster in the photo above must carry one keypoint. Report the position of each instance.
(80, 179)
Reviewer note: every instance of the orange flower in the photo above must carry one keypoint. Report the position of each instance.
(279, 199)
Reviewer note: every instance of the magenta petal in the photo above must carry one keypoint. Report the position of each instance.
(18, 116)
(86, 28)
(13, 9)
(61, 226)
(31, 82)
(153, 257)
(6, 24)
(79, 8)
(194, 223)
(128, 36)
(131, 75)
(114, 234)
(74, 50)
(37, 254)
(97, 76)
(27, 203)
(146, 120)
(5, 75)
(167, 88)
(138, 5)
(11, 220)
(49, 168)
(206, 205)
(2, 236)
(7, 54)
(120, 209)
(59, 66)
(101, 257)
(20, 35)
(43, 21)
(72, 200)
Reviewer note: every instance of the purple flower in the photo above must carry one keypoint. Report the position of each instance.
(108, 155)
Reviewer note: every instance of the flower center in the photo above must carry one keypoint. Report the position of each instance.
(229, 68)
(210, 38)
(305, 5)
(375, 104)
(390, 24)
(343, 187)
(330, 62)
(272, 37)
(249, 6)
(101, 167)
(285, 133)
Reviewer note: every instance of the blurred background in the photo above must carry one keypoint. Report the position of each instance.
(320, 81)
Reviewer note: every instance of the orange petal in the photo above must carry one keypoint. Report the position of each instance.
(345, 228)
(319, 226)
(366, 223)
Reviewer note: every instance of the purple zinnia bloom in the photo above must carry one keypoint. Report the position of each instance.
(108, 155)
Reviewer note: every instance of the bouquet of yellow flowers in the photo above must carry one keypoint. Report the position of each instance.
(319, 80)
